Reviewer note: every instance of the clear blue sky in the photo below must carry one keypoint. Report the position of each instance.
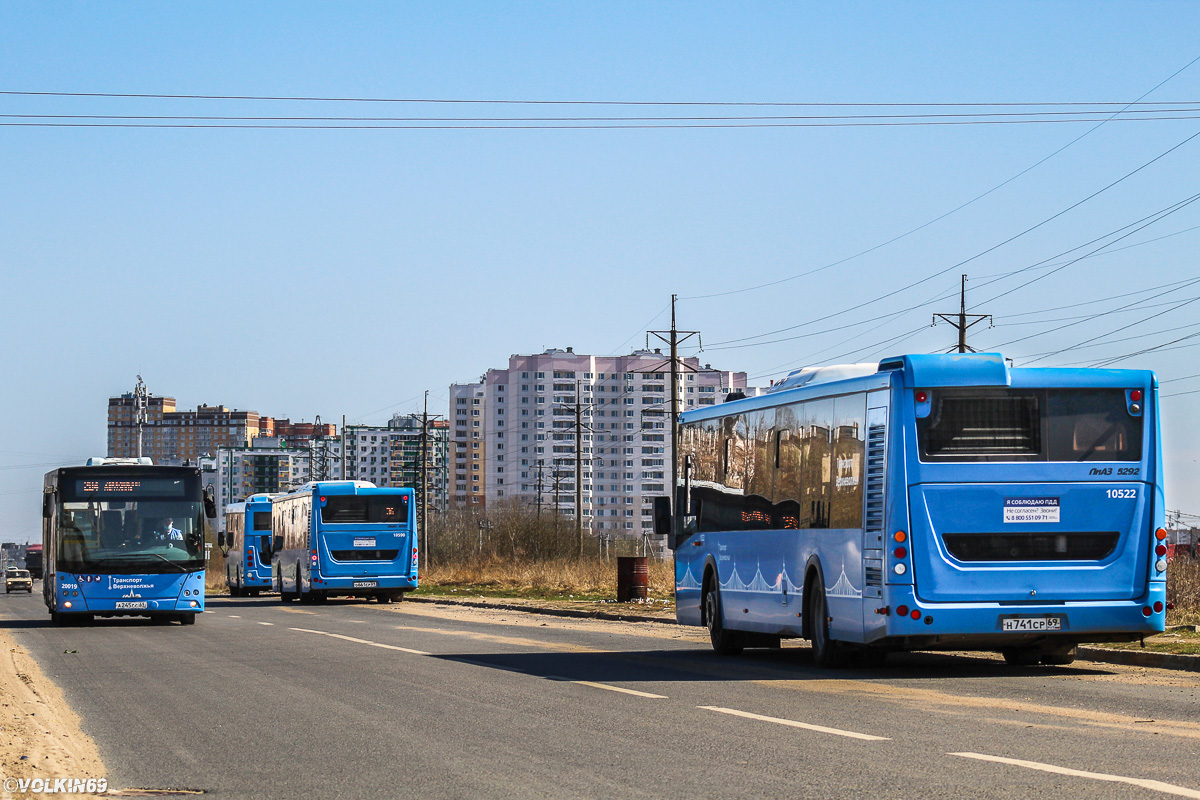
(238, 266)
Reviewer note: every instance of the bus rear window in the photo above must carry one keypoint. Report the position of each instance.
(354, 508)
(1030, 425)
(262, 520)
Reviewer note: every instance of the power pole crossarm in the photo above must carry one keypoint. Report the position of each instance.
(960, 320)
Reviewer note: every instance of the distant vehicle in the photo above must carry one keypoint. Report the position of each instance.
(247, 541)
(927, 502)
(124, 537)
(33, 560)
(344, 538)
(17, 579)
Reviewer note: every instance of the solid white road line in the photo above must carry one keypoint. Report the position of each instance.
(620, 689)
(363, 641)
(1157, 786)
(792, 723)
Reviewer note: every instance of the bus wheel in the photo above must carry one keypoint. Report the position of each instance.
(1021, 656)
(386, 597)
(826, 652)
(725, 642)
(187, 619)
(57, 619)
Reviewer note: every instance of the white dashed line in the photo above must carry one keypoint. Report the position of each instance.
(235, 616)
(793, 724)
(1145, 783)
(620, 689)
(266, 623)
(363, 641)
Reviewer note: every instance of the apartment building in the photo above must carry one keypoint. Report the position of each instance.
(170, 436)
(516, 433)
(390, 455)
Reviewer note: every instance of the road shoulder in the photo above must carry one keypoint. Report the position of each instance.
(40, 736)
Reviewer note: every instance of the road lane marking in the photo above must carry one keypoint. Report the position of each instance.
(235, 616)
(512, 640)
(1157, 786)
(620, 689)
(363, 641)
(793, 724)
(266, 623)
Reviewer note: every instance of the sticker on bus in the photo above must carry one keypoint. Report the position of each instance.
(1031, 509)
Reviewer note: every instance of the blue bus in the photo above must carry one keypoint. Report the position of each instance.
(925, 502)
(344, 538)
(247, 544)
(123, 537)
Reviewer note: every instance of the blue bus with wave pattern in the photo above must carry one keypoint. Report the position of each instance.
(925, 502)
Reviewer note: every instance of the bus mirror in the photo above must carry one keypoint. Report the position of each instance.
(276, 543)
(221, 539)
(662, 517)
(47, 506)
(210, 502)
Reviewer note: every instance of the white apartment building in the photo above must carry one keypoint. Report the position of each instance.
(514, 433)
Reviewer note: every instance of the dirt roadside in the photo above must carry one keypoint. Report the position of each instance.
(40, 736)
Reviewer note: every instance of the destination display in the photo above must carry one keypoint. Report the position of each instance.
(122, 488)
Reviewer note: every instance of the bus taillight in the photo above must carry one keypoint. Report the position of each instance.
(1160, 534)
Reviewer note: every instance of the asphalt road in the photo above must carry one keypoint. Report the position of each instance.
(262, 700)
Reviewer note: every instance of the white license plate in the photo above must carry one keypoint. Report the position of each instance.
(365, 584)
(1022, 624)
(129, 606)
(364, 542)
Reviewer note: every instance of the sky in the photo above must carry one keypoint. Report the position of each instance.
(298, 271)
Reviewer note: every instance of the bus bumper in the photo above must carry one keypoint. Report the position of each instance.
(361, 585)
(915, 625)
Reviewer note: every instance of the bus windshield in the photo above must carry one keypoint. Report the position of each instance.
(130, 536)
(1030, 425)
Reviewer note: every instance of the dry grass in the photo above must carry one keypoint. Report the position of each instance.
(590, 578)
(1183, 590)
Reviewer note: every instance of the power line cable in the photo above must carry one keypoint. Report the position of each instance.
(956, 209)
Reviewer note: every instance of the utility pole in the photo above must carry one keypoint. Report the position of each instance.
(424, 528)
(539, 489)
(343, 447)
(139, 411)
(960, 323)
(675, 337)
(578, 470)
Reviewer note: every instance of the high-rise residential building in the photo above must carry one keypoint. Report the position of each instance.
(298, 435)
(515, 434)
(390, 455)
(468, 445)
(170, 436)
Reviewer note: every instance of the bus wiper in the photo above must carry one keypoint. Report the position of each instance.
(175, 564)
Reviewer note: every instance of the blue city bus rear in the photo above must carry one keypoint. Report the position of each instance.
(1032, 503)
(928, 502)
(124, 538)
(247, 539)
(345, 539)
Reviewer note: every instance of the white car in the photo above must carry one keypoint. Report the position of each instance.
(18, 579)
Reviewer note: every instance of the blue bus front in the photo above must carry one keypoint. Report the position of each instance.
(365, 541)
(124, 541)
(1024, 517)
(256, 544)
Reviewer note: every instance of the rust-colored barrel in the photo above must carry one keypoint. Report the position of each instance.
(633, 578)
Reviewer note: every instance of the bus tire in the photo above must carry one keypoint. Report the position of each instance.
(724, 642)
(187, 619)
(826, 652)
(385, 597)
(1021, 656)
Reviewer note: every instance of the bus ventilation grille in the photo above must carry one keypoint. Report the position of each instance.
(1031, 546)
(364, 555)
